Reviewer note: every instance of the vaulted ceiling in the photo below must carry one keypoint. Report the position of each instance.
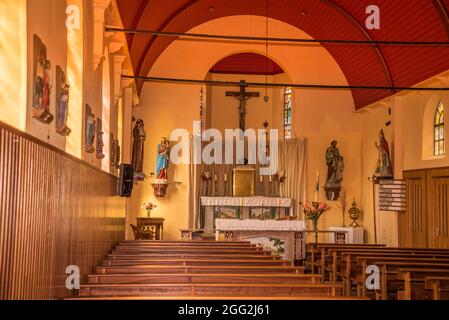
(247, 63)
(401, 20)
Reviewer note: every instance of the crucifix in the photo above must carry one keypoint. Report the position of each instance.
(242, 96)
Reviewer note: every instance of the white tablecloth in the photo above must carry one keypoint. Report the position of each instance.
(247, 202)
(256, 225)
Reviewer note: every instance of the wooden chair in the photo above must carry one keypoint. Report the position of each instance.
(136, 232)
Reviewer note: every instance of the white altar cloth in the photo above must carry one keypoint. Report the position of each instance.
(247, 202)
(258, 225)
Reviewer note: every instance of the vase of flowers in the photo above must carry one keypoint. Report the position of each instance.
(148, 206)
(313, 213)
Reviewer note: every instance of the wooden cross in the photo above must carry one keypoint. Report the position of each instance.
(242, 96)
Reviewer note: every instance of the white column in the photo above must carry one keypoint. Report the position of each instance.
(99, 7)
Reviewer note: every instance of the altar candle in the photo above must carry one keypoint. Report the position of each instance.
(216, 177)
(261, 178)
(225, 177)
(271, 178)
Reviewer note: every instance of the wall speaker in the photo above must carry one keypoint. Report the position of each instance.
(126, 180)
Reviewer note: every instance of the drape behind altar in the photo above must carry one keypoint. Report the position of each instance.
(209, 180)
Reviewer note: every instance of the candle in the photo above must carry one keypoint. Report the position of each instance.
(261, 178)
(215, 177)
(271, 178)
(226, 177)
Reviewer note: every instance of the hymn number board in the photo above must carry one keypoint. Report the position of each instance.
(392, 195)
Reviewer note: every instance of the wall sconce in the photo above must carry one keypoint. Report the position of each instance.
(177, 184)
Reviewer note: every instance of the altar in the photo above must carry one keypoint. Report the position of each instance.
(259, 208)
(285, 238)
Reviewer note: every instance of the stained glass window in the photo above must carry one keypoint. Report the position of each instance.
(288, 97)
(438, 149)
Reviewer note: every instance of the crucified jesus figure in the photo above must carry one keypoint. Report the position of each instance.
(243, 97)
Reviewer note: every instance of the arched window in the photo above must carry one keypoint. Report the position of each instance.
(438, 126)
(288, 97)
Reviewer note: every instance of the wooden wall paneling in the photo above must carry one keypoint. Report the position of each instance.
(438, 182)
(413, 222)
(55, 210)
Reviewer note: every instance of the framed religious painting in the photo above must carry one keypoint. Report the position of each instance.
(62, 102)
(262, 213)
(42, 82)
(227, 213)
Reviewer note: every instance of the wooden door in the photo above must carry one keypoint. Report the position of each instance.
(413, 222)
(437, 207)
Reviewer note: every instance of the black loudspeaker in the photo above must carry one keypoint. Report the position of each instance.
(126, 180)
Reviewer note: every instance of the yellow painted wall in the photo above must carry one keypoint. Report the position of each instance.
(320, 116)
(13, 66)
(411, 131)
(74, 53)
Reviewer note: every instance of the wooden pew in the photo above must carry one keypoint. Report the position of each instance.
(349, 262)
(343, 258)
(191, 242)
(214, 289)
(186, 251)
(414, 286)
(285, 278)
(201, 269)
(439, 286)
(205, 256)
(390, 274)
(319, 251)
(198, 269)
(197, 262)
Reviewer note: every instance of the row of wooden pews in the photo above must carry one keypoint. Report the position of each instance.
(405, 273)
(201, 270)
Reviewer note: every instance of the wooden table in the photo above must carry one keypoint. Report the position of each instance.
(150, 228)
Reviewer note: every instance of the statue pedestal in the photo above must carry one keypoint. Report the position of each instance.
(332, 193)
(160, 189)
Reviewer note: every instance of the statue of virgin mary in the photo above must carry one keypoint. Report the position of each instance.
(162, 159)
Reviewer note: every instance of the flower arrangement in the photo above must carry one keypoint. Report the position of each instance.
(148, 206)
(313, 212)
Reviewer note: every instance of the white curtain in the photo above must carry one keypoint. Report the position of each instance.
(194, 189)
(292, 159)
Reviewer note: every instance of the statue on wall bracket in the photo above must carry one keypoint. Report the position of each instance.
(42, 82)
(62, 101)
(115, 152)
(90, 127)
(384, 168)
(160, 183)
(335, 168)
(139, 136)
(100, 143)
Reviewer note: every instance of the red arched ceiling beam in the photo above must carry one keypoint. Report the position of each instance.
(331, 4)
(161, 28)
(439, 6)
(367, 35)
(137, 20)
